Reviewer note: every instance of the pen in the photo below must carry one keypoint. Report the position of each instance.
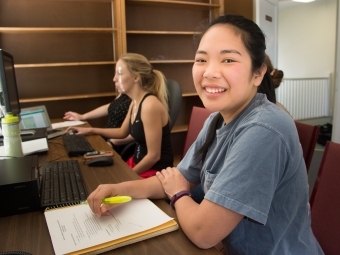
(114, 200)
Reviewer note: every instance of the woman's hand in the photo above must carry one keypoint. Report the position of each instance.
(72, 116)
(79, 130)
(172, 181)
(101, 192)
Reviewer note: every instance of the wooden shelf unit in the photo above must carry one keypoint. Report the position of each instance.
(65, 64)
(216, 6)
(65, 50)
(55, 30)
(163, 32)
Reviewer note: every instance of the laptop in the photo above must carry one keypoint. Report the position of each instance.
(37, 117)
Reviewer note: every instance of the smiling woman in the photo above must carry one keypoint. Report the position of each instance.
(224, 79)
(247, 157)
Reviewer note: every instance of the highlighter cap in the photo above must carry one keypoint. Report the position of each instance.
(10, 118)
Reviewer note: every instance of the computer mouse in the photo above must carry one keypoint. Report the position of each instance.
(100, 161)
(72, 132)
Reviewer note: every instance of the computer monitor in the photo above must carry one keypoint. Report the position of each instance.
(9, 97)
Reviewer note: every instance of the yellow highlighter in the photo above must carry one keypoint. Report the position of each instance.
(114, 200)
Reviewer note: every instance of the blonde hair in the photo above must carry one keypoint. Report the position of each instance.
(151, 80)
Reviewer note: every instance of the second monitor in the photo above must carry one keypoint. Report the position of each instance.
(9, 97)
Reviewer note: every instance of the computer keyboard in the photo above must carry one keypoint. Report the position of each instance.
(62, 184)
(77, 145)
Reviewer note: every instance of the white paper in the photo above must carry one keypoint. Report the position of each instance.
(76, 227)
(30, 147)
(67, 124)
(36, 145)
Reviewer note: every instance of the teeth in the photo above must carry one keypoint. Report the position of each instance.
(215, 90)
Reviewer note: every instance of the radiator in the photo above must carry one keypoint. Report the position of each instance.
(305, 98)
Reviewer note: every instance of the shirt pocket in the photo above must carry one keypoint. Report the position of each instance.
(208, 178)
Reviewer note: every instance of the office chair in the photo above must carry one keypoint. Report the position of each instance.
(324, 201)
(197, 118)
(308, 136)
(174, 103)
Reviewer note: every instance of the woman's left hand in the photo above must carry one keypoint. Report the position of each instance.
(172, 181)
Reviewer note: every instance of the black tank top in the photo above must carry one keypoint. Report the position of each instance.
(137, 132)
(117, 111)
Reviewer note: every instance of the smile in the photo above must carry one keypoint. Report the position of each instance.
(214, 90)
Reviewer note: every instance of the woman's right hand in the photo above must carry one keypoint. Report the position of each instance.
(79, 130)
(101, 192)
(72, 116)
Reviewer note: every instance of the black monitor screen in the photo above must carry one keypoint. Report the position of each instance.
(9, 98)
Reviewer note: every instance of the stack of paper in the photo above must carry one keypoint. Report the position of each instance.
(76, 230)
(30, 147)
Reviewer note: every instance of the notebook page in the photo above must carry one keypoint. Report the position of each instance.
(76, 227)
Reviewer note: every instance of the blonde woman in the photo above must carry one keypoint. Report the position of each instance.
(147, 120)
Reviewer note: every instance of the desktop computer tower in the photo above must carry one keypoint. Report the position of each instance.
(19, 185)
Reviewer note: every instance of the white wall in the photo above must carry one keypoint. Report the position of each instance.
(307, 38)
(307, 41)
(264, 9)
(336, 116)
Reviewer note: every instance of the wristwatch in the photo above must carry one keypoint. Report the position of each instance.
(178, 195)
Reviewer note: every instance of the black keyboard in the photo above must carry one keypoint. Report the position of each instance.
(62, 184)
(77, 145)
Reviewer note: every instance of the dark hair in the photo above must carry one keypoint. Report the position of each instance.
(277, 78)
(277, 75)
(269, 64)
(255, 43)
(268, 88)
(251, 35)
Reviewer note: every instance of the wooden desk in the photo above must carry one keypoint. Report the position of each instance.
(28, 232)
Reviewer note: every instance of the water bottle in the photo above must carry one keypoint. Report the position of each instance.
(11, 134)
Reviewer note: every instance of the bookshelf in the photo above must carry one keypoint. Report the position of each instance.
(163, 31)
(65, 50)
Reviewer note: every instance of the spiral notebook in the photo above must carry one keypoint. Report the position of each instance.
(76, 230)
